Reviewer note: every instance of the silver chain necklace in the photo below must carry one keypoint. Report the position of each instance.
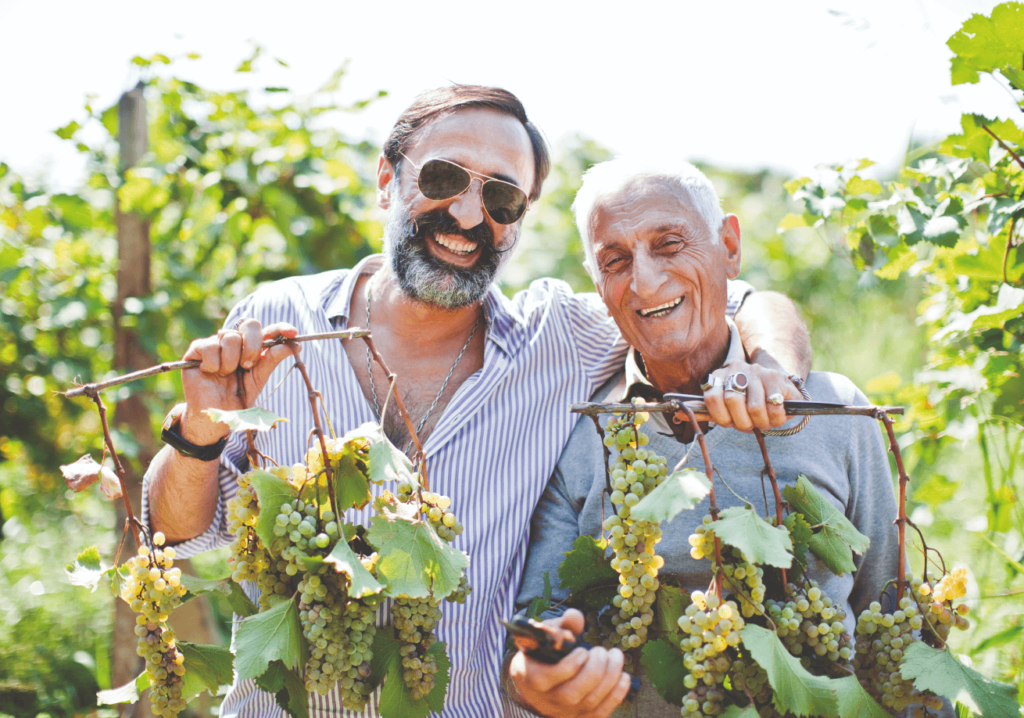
(444, 385)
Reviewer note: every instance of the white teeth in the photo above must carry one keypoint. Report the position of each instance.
(655, 310)
(456, 245)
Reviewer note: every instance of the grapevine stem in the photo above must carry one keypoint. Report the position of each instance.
(1003, 145)
(118, 468)
(793, 408)
(91, 388)
(709, 469)
(316, 419)
(253, 454)
(770, 470)
(1006, 254)
(926, 550)
(743, 685)
(420, 454)
(901, 518)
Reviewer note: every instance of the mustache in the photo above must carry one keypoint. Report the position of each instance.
(438, 221)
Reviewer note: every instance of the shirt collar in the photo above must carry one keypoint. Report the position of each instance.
(503, 324)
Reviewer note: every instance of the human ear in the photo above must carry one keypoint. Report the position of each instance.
(729, 236)
(385, 174)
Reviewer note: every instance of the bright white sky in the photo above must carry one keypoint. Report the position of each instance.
(744, 84)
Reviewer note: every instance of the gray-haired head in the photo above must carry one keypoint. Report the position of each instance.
(606, 178)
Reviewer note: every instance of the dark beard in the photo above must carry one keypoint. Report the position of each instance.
(427, 279)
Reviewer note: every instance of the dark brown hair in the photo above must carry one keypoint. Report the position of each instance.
(435, 104)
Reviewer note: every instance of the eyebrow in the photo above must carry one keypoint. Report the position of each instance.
(498, 176)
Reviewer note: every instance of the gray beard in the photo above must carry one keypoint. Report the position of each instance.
(425, 278)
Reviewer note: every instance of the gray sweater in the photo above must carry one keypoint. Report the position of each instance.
(843, 456)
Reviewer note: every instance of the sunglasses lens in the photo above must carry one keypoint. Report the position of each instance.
(441, 180)
(504, 202)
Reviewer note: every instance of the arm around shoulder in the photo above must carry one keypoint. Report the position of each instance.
(773, 332)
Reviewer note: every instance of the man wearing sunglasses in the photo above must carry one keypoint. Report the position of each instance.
(486, 379)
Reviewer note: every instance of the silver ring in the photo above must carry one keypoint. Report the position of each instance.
(712, 383)
(776, 399)
(239, 323)
(737, 383)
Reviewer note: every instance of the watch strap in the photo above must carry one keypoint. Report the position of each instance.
(171, 435)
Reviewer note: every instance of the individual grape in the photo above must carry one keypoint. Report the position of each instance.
(153, 590)
(637, 471)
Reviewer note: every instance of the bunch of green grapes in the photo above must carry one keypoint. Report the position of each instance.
(356, 629)
(635, 472)
(747, 673)
(712, 628)
(883, 638)
(248, 555)
(415, 620)
(742, 579)
(812, 628)
(153, 589)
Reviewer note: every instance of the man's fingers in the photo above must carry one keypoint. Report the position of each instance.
(736, 403)
(714, 400)
(587, 680)
(756, 404)
(540, 677)
(607, 681)
(252, 342)
(208, 352)
(573, 620)
(230, 352)
(615, 696)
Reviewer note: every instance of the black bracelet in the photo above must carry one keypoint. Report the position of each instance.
(171, 435)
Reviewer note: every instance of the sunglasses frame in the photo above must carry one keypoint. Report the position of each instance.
(484, 180)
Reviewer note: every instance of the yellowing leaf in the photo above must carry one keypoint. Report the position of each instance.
(885, 384)
(858, 185)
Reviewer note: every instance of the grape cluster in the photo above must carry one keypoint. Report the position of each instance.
(153, 589)
(248, 555)
(415, 620)
(635, 472)
(812, 628)
(712, 627)
(356, 629)
(882, 638)
(743, 579)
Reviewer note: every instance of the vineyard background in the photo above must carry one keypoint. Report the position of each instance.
(236, 194)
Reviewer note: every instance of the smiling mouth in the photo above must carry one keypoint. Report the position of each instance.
(660, 310)
(455, 245)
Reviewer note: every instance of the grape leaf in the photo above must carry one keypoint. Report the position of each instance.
(414, 561)
(591, 580)
(254, 419)
(385, 646)
(664, 666)
(268, 636)
(795, 690)
(680, 491)
(833, 551)
(288, 689)
(942, 673)
(206, 667)
(800, 532)
(83, 473)
(736, 712)
(128, 693)
(539, 604)
(395, 699)
(117, 578)
(759, 541)
(86, 570)
(351, 487)
(854, 701)
(835, 537)
(272, 679)
(236, 598)
(386, 461)
(361, 582)
(670, 604)
(272, 491)
(984, 44)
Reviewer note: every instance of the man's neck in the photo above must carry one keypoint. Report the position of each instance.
(685, 376)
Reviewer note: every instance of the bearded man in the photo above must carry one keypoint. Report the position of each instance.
(655, 237)
(487, 379)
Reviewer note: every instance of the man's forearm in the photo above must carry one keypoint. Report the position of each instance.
(182, 495)
(772, 330)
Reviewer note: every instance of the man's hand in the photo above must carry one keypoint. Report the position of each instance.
(214, 383)
(584, 684)
(752, 409)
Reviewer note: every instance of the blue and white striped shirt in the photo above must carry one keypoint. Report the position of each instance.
(492, 450)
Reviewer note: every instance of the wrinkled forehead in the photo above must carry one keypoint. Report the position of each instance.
(639, 204)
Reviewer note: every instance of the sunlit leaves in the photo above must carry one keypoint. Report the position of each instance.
(680, 491)
(939, 671)
(86, 570)
(986, 44)
(795, 690)
(128, 693)
(414, 561)
(272, 492)
(758, 541)
(275, 634)
(835, 539)
(252, 419)
(361, 582)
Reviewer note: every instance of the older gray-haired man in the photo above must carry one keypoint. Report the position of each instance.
(660, 253)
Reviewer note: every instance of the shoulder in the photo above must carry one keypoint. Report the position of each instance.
(549, 303)
(835, 388)
(300, 294)
(548, 293)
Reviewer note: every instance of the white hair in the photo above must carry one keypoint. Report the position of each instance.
(607, 177)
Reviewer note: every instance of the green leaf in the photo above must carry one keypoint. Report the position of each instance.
(539, 604)
(883, 230)
(288, 689)
(858, 185)
(1000, 639)
(795, 690)
(395, 699)
(385, 647)
(939, 671)
(234, 594)
(854, 701)
(86, 570)
(67, 130)
(275, 634)
(985, 44)
(936, 490)
(759, 541)
(665, 668)
(206, 667)
(361, 582)
(272, 679)
(835, 553)
(747, 711)
(386, 462)
(792, 221)
(669, 604)
(254, 419)
(351, 486)
(679, 491)
(806, 499)
(117, 577)
(128, 693)
(585, 571)
(800, 532)
(271, 491)
(414, 561)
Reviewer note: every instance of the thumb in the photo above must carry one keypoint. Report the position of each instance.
(574, 621)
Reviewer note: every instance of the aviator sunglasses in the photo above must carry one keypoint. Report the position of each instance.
(440, 179)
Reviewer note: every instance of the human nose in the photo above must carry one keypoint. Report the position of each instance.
(468, 209)
(648, 276)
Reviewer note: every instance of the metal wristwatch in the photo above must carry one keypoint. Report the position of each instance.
(171, 435)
